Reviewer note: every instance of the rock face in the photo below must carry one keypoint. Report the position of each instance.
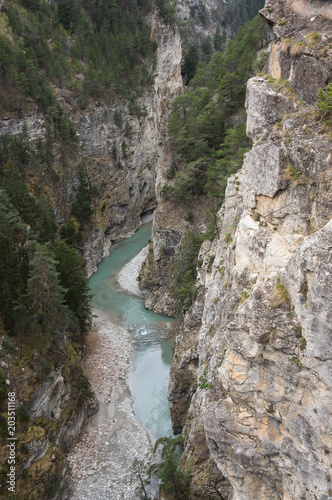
(297, 54)
(124, 160)
(130, 189)
(202, 17)
(158, 271)
(252, 362)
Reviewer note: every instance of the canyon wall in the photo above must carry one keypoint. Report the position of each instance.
(251, 370)
(125, 184)
(131, 190)
(124, 179)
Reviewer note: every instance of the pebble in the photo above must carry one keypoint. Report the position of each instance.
(101, 461)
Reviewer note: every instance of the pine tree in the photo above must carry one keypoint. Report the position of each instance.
(186, 264)
(46, 297)
(13, 237)
(218, 39)
(46, 221)
(71, 268)
(13, 182)
(190, 62)
(174, 480)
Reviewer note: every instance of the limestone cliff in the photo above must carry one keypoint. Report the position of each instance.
(123, 162)
(130, 190)
(158, 271)
(252, 364)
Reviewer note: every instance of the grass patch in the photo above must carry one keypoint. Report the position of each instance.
(296, 361)
(297, 48)
(244, 296)
(282, 85)
(313, 38)
(228, 238)
(285, 44)
(303, 343)
(293, 175)
(324, 103)
(281, 295)
(304, 289)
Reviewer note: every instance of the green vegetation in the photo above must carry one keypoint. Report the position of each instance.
(292, 174)
(71, 268)
(107, 41)
(174, 481)
(22, 413)
(296, 361)
(325, 102)
(186, 269)
(313, 38)
(303, 343)
(244, 296)
(81, 384)
(239, 12)
(282, 296)
(203, 383)
(234, 14)
(304, 288)
(207, 146)
(33, 297)
(48, 314)
(167, 10)
(140, 470)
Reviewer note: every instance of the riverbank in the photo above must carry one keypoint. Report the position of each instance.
(127, 277)
(101, 461)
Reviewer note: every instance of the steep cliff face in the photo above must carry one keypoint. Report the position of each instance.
(259, 333)
(52, 410)
(158, 271)
(123, 158)
(130, 190)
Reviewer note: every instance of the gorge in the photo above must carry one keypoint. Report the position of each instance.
(250, 377)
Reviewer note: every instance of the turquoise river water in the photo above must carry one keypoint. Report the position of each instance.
(148, 377)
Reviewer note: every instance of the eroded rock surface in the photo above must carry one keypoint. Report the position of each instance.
(131, 189)
(252, 362)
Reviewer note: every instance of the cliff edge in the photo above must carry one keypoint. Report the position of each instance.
(252, 364)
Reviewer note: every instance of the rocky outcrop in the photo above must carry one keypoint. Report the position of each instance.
(254, 350)
(300, 32)
(157, 275)
(52, 400)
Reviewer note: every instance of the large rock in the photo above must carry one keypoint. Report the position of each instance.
(263, 172)
(295, 56)
(265, 106)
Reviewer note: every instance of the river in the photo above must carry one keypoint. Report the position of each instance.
(132, 355)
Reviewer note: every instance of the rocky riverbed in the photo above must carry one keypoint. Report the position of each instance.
(101, 461)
